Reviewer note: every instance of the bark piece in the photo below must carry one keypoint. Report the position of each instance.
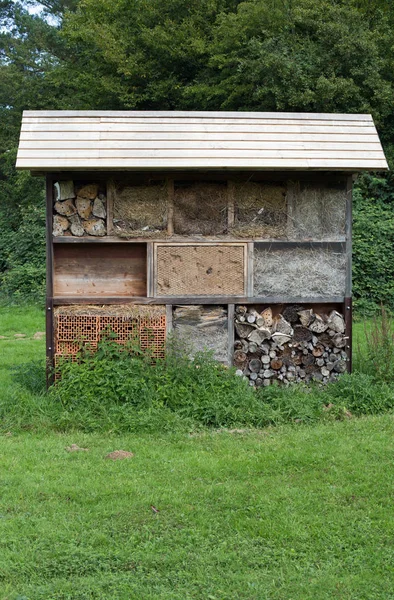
(336, 322)
(99, 209)
(280, 338)
(89, 191)
(318, 325)
(282, 326)
(243, 329)
(259, 335)
(84, 207)
(65, 208)
(94, 227)
(64, 190)
(306, 317)
(60, 225)
(76, 226)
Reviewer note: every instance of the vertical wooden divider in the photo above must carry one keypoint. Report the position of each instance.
(110, 206)
(170, 206)
(249, 270)
(149, 270)
(49, 317)
(230, 329)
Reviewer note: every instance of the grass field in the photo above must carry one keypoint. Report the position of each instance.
(288, 513)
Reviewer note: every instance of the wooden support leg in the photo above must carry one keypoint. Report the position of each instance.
(347, 309)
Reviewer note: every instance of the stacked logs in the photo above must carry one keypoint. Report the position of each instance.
(79, 210)
(296, 346)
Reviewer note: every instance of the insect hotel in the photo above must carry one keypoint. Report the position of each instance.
(230, 231)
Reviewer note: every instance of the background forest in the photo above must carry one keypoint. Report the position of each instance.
(258, 55)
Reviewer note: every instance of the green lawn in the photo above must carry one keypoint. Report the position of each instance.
(293, 513)
(19, 320)
(279, 514)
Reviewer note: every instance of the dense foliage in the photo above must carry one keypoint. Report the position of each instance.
(299, 55)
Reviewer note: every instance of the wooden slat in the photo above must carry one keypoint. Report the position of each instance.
(265, 300)
(224, 137)
(133, 144)
(200, 128)
(167, 163)
(183, 122)
(204, 153)
(201, 114)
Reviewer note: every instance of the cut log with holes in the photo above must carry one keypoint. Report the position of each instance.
(318, 325)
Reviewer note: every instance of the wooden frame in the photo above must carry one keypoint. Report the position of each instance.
(341, 244)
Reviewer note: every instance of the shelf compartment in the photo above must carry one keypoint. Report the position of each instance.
(100, 271)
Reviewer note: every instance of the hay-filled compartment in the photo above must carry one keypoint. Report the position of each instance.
(303, 271)
(140, 210)
(317, 211)
(82, 327)
(200, 269)
(200, 328)
(290, 343)
(260, 209)
(200, 208)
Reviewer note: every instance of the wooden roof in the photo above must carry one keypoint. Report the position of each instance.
(136, 140)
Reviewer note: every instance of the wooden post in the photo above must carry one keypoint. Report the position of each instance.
(170, 207)
(149, 270)
(348, 238)
(110, 206)
(348, 282)
(347, 309)
(230, 328)
(49, 319)
(169, 324)
(249, 270)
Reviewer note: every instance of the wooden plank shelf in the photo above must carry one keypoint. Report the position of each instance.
(58, 300)
(183, 239)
